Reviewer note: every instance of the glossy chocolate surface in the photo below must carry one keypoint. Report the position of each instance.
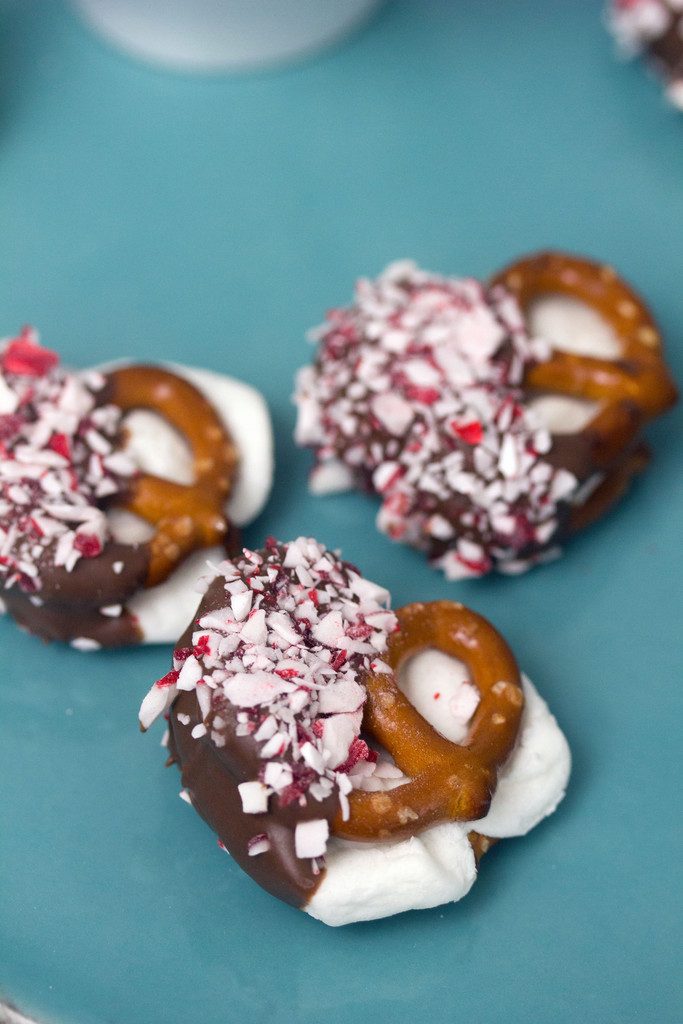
(211, 775)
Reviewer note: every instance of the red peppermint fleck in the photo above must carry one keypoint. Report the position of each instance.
(397, 475)
(524, 531)
(60, 444)
(36, 528)
(338, 660)
(25, 357)
(297, 788)
(10, 425)
(313, 594)
(88, 545)
(358, 751)
(170, 679)
(471, 433)
(437, 695)
(425, 395)
(480, 567)
(286, 673)
(361, 631)
(182, 653)
(202, 646)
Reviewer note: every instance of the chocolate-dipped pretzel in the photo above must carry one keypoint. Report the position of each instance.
(630, 390)
(436, 394)
(449, 782)
(66, 464)
(289, 675)
(655, 29)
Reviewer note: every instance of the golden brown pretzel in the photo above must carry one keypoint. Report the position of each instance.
(449, 781)
(190, 516)
(637, 380)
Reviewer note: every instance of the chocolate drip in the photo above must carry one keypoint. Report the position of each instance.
(211, 775)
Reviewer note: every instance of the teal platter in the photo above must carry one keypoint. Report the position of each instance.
(212, 221)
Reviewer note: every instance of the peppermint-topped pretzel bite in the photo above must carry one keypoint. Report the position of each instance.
(114, 488)
(488, 444)
(655, 29)
(356, 762)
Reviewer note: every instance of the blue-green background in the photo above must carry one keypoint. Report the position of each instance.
(213, 221)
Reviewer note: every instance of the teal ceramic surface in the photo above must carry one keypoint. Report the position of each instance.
(213, 221)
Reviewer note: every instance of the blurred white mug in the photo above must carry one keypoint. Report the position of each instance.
(223, 35)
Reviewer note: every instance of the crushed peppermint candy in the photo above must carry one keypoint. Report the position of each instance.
(636, 22)
(656, 28)
(58, 462)
(416, 394)
(282, 662)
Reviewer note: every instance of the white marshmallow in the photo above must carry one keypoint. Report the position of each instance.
(165, 611)
(365, 881)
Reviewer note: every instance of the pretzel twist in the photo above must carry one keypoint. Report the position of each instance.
(630, 390)
(189, 516)
(638, 378)
(449, 781)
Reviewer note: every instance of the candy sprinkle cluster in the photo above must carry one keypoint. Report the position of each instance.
(282, 661)
(57, 462)
(416, 394)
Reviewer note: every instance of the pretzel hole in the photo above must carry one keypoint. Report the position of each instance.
(562, 414)
(573, 326)
(439, 687)
(127, 528)
(157, 447)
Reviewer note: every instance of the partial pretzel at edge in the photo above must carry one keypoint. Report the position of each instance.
(639, 376)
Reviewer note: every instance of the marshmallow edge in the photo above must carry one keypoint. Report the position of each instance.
(367, 881)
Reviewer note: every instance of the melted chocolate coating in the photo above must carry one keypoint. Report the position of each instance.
(92, 581)
(211, 775)
(666, 51)
(64, 623)
(70, 602)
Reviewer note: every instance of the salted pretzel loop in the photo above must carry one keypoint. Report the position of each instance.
(631, 389)
(637, 379)
(449, 781)
(189, 516)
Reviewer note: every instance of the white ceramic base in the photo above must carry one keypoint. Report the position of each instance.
(222, 35)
